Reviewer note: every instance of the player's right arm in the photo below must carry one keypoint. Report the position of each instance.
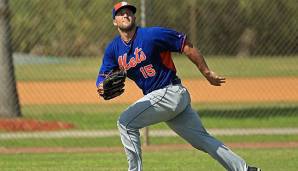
(197, 58)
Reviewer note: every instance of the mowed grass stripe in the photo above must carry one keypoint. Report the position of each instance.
(87, 68)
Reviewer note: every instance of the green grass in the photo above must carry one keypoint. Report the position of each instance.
(242, 67)
(68, 69)
(86, 117)
(87, 68)
(186, 160)
(108, 121)
(96, 117)
(115, 141)
(230, 115)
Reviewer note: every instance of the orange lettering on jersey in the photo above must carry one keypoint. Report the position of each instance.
(137, 50)
(122, 61)
(133, 61)
(142, 56)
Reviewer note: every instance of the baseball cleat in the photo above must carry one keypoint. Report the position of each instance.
(253, 169)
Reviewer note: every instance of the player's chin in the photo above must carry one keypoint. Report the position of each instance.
(127, 27)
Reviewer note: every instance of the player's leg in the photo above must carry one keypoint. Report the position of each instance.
(188, 125)
(158, 106)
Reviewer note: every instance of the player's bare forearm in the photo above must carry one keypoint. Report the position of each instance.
(197, 58)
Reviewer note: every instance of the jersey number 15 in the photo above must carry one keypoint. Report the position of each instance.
(147, 71)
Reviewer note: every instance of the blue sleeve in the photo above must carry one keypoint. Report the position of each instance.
(100, 79)
(168, 40)
(109, 62)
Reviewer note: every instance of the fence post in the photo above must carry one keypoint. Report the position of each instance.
(193, 22)
(143, 24)
(9, 102)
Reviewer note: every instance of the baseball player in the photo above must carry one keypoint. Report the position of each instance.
(145, 55)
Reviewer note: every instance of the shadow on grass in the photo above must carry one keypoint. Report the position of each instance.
(256, 112)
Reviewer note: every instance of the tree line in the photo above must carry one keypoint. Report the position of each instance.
(226, 27)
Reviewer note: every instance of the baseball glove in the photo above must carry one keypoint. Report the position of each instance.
(113, 85)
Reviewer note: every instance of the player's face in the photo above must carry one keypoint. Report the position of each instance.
(125, 19)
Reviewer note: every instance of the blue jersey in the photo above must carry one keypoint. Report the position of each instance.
(146, 58)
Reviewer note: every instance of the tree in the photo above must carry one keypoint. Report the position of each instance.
(9, 103)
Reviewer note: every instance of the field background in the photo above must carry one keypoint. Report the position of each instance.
(58, 47)
(101, 116)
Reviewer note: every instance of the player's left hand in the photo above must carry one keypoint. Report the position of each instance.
(214, 79)
(113, 85)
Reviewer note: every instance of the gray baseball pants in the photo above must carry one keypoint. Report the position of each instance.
(171, 105)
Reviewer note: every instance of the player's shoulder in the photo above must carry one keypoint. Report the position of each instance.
(111, 45)
(157, 31)
(153, 29)
(151, 33)
(115, 40)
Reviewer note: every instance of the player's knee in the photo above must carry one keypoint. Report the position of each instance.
(120, 125)
(124, 118)
(123, 125)
(127, 122)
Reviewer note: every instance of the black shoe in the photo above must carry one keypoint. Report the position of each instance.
(253, 169)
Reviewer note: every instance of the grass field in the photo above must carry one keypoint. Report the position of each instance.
(87, 68)
(115, 141)
(93, 116)
(231, 115)
(186, 160)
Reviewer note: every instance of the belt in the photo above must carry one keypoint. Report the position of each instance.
(176, 81)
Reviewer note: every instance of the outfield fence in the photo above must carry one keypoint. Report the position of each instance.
(57, 45)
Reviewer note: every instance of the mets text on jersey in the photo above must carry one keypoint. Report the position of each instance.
(138, 58)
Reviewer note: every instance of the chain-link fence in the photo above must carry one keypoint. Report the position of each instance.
(57, 49)
(230, 27)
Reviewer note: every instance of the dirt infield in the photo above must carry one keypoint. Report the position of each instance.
(151, 148)
(18, 124)
(283, 89)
